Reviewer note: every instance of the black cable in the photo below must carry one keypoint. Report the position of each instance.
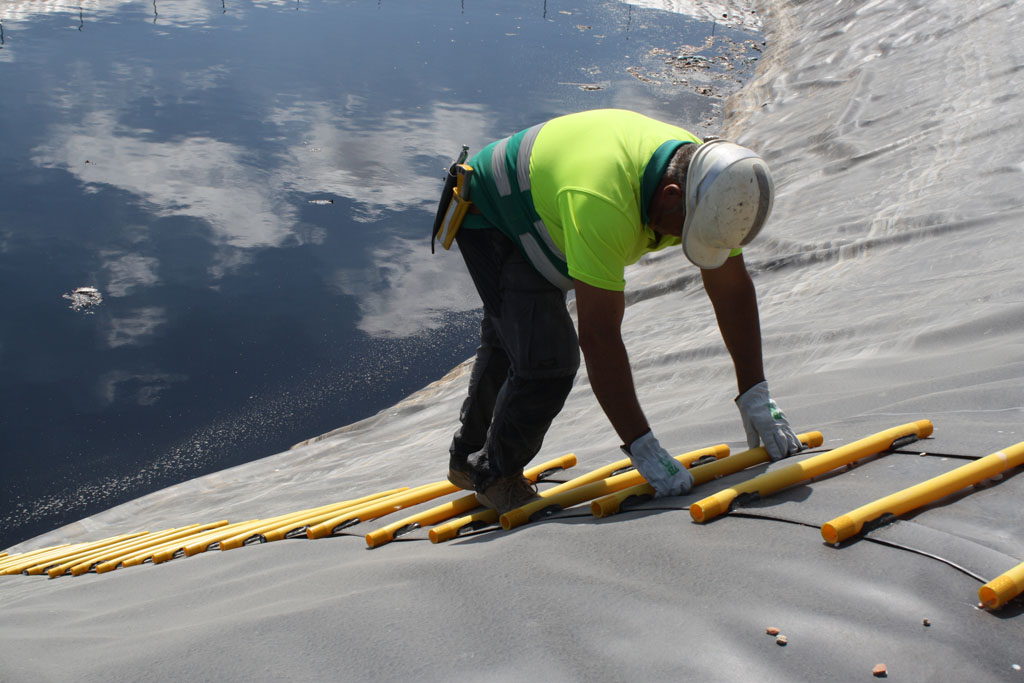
(869, 539)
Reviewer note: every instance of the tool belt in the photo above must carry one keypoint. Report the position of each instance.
(454, 203)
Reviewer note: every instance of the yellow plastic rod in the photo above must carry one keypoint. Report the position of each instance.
(21, 557)
(445, 511)
(86, 564)
(580, 494)
(147, 548)
(1003, 588)
(610, 504)
(589, 492)
(850, 524)
(364, 513)
(179, 548)
(559, 501)
(53, 571)
(276, 528)
(39, 565)
(770, 482)
(476, 520)
(520, 516)
(299, 527)
(19, 564)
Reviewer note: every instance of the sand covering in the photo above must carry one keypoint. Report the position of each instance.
(890, 291)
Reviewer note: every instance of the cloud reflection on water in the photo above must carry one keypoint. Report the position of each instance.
(388, 169)
(372, 157)
(143, 389)
(125, 272)
(136, 328)
(407, 290)
(195, 176)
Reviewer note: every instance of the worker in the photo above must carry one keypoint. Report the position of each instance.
(567, 205)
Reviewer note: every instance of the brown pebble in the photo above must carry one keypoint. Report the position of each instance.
(781, 640)
(880, 671)
(772, 631)
(926, 622)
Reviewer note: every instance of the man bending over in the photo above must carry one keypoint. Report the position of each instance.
(568, 204)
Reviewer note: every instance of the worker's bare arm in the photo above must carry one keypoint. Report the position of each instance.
(600, 313)
(735, 302)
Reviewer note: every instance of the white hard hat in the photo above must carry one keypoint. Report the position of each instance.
(729, 192)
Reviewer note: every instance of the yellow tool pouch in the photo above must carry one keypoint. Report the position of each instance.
(458, 204)
(454, 204)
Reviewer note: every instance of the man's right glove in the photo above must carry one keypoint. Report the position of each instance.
(764, 422)
(666, 474)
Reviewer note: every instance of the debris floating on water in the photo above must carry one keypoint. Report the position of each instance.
(880, 671)
(84, 299)
(781, 640)
(926, 622)
(321, 202)
(772, 631)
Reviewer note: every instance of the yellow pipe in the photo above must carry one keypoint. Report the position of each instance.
(1003, 588)
(449, 530)
(21, 557)
(850, 524)
(458, 506)
(300, 526)
(275, 528)
(560, 500)
(770, 482)
(582, 480)
(19, 564)
(187, 547)
(595, 489)
(53, 571)
(39, 565)
(147, 548)
(365, 513)
(85, 564)
(610, 504)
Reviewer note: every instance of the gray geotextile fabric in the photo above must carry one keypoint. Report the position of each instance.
(890, 291)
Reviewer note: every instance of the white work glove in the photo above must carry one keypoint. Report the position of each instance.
(764, 422)
(666, 474)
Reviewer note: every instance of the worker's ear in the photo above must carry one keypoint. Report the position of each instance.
(672, 192)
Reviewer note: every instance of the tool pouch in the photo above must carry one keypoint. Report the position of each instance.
(454, 204)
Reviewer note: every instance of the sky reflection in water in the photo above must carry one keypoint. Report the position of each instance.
(249, 186)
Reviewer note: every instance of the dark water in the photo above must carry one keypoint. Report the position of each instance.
(248, 186)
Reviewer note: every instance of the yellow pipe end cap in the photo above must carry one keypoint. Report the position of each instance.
(839, 529)
(814, 439)
(924, 428)
(377, 538)
(438, 536)
(599, 508)
(998, 592)
(706, 509)
(514, 518)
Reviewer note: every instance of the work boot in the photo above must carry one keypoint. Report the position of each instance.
(464, 470)
(470, 472)
(460, 473)
(507, 493)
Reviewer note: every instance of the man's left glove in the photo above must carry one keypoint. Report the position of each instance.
(764, 422)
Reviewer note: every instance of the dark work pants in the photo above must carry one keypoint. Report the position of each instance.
(526, 362)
